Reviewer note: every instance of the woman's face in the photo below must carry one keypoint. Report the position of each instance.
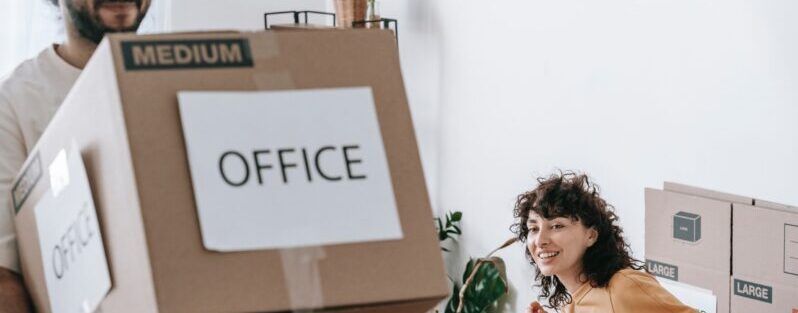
(557, 245)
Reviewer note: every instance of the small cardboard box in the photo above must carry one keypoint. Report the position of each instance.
(688, 237)
(765, 258)
(123, 114)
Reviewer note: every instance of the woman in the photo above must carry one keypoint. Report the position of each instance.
(581, 260)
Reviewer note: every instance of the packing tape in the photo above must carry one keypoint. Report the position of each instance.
(264, 46)
(303, 277)
(278, 80)
(270, 75)
(301, 268)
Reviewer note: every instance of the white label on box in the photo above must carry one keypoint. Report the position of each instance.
(75, 266)
(281, 169)
(59, 173)
(698, 298)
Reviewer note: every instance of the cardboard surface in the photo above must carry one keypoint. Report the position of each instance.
(123, 114)
(677, 250)
(92, 116)
(301, 26)
(76, 268)
(763, 244)
(751, 294)
(765, 259)
(766, 242)
(775, 206)
(706, 193)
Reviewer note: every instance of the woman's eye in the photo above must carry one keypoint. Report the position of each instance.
(533, 229)
(557, 226)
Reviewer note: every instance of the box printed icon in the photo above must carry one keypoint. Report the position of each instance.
(791, 249)
(687, 226)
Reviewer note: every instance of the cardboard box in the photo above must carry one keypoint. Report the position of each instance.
(123, 115)
(765, 258)
(706, 193)
(301, 26)
(688, 237)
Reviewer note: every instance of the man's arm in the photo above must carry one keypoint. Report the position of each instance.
(13, 296)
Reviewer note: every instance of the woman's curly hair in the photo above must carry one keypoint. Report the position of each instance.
(572, 195)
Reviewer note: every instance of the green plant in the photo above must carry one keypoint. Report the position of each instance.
(484, 280)
(482, 294)
(450, 228)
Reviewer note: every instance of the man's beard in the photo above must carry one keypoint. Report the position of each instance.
(90, 26)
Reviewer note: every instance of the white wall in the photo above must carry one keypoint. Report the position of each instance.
(26, 27)
(189, 15)
(420, 50)
(632, 92)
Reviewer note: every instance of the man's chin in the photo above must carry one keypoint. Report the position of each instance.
(93, 26)
(112, 25)
(126, 29)
(116, 23)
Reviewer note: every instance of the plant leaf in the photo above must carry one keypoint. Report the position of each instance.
(468, 268)
(487, 286)
(454, 300)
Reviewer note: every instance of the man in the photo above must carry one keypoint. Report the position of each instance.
(29, 97)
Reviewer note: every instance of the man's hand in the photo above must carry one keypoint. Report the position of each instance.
(13, 295)
(535, 307)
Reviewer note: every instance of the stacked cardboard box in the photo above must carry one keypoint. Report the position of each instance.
(123, 114)
(744, 250)
(765, 259)
(688, 233)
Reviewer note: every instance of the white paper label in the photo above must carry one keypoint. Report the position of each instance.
(698, 298)
(75, 266)
(280, 169)
(59, 173)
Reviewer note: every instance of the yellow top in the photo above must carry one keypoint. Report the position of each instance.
(629, 291)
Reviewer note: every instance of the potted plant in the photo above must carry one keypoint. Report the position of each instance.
(484, 281)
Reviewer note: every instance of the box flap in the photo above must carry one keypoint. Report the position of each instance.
(775, 206)
(691, 190)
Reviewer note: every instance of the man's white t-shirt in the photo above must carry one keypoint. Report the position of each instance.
(29, 97)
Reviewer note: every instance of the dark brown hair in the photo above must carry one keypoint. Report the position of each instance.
(573, 196)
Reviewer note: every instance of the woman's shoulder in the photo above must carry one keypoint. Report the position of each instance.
(638, 291)
(632, 276)
(633, 283)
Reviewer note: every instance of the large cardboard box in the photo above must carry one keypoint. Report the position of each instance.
(123, 114)
(765, 258)
(688, 237)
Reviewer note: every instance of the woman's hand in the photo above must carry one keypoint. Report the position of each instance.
(535, 307)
